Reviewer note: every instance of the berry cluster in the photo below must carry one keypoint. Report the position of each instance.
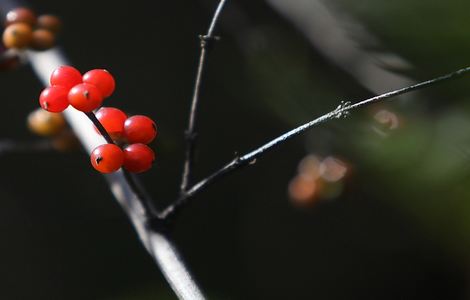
(86, 93)
(135, 131)
(24, 30)
(317, 179)
(68, 87)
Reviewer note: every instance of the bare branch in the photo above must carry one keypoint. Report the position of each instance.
(190, 133)
(340, 112)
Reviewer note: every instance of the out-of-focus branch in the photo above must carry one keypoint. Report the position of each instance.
(340, 112)
(12, 146)
(151, 233)
(343, 40)
(206, 41)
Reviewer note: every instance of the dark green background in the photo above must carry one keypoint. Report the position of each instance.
(400, 230)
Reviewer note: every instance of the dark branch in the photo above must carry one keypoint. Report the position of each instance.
(206, 41)
(340, 112)
(100, 127)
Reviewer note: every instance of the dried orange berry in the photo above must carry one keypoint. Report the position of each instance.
(49, 22)
(45, 123)
(42, 39)
(20, 15)
(18, 35)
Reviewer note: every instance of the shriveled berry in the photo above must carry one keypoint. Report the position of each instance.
(20, 14)
(112, 120)
(9, 62)
(102, 79)
(49, 22)
(17, 35)
(45, 123)
(54, 99)
(66, 140)
(140, 129)
(138, 158)
(42, 39)
(85, 97)
(107, 158)
(66, 76)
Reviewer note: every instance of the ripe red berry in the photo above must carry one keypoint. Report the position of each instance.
(66, 76)
(102, 79)
(138, 158)
(112, 120)
(85, 97)
(54, 99)
(107, 158)
(140, 129)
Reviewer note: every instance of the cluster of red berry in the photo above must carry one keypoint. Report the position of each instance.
(69, 87)
(23, 29)
(135, 131)
(86, 93)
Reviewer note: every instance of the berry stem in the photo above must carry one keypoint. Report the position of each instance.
(91, 115)
(190, 134)
(133, 181)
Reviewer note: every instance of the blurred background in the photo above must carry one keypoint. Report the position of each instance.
(374, 206)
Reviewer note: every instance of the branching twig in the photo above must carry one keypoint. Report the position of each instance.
(151, 233)
(341, 111)
(151, 230)
(190, 133)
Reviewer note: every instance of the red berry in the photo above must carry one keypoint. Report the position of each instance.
(138, 158)
(107, 158)
(54, 99)
(66, 76)
(85, 97)
(112, 120)
(140, 129)
(102, 79)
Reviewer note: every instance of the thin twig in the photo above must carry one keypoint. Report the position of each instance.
(100, 127)
(190, 133)
(250, 158)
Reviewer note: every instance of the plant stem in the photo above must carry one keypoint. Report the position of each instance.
(250, 158)
(150, 231)
(190, 133)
